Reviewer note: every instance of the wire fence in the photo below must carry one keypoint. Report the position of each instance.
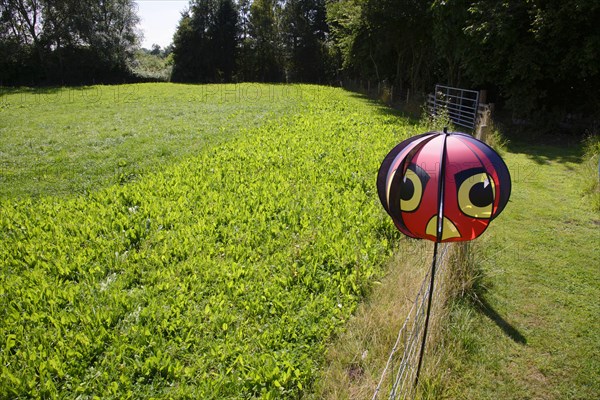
(384, 91)
(398, 378)
(464, 107)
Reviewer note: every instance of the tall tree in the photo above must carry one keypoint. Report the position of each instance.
(304, 29)
(114, 30)
(349, 31)
(22, 36)
(205, 42)
(244, 20)
(265, 41)
(55, 39)
(189, 42)
(383, 39)
(451, 42)
(503, 51)
(225, 36)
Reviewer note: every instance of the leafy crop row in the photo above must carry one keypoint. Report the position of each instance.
(222, 276)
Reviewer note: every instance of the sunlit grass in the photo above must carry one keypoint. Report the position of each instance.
(191, 243)
(522, 321)
(531, 327)
(65, 141)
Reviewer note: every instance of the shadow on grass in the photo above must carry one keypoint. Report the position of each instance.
(486, 309)
(541, 145)
(475, 274)
(5, 90)
(549, 150)
(385, 109)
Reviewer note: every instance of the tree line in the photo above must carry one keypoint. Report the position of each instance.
(260, 40)
(538, 56)
(66, 41)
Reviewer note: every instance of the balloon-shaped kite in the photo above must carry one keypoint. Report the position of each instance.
(444, 187)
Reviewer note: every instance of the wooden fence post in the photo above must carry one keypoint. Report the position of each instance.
(481, 131)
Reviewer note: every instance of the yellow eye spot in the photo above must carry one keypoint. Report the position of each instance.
(476, 196)
(411, 191)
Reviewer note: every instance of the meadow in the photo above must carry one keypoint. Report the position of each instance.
(227, 242)
(530, 328)
(184, 241)
(522, 317)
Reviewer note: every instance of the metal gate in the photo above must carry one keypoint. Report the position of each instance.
(460, 104)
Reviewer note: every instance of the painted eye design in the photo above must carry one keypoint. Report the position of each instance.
(411, 188)
(466, 181)
(476, 193)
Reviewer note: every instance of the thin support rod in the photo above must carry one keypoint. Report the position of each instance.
(428, 313)
(439, 237)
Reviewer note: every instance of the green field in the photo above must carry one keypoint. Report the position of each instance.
(533, 329)
(211, 241)
(184, 241)
(527, 324)
(73, 140)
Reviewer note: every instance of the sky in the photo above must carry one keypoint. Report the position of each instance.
(158, 20)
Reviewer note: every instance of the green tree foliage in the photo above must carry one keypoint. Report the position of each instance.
(264, 42)
(451, 42)
(49, 41)
(383, 40)
(225, 36)
(544, 56)
(539, 56)
(187, 42)
(304, 31)
(260, 40)
(205, 43)
(154, 64)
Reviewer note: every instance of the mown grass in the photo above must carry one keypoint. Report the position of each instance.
(66, 141)
(522, 319)
(248, 235)
(530, 326)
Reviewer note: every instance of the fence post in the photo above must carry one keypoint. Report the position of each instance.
(482, 125)
(482, 96)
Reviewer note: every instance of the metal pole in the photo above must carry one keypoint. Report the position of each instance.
(439, 235)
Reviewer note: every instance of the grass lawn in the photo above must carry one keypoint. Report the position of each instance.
(66, 141)
(535, 331)
(207, 241)
(532, 328)
(184, 241)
